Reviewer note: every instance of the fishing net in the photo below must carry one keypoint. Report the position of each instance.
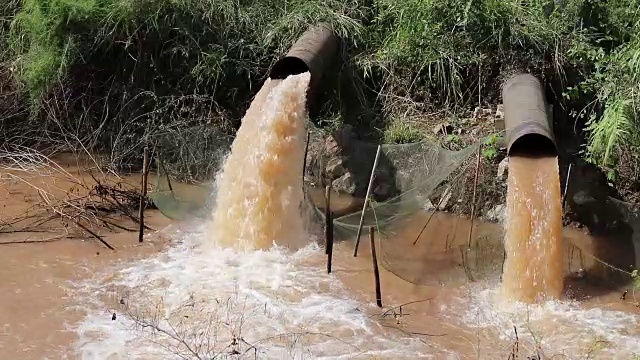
(417, 243)
(188, 160)
(613, 251)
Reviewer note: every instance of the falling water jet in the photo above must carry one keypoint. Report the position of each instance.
(259, 190)
(533, 269)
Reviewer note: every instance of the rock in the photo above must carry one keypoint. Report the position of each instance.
(583, 197)
(335, 168)
(383, 190)
(345, 184)
(444, 129)
(476, 112)
(341, 139)
(444, 200)
(502, 168)
(331, 146)
(498, 213)
(498, 118)
(428, 206)
(344, 136)
(499, 112)
(479, 113)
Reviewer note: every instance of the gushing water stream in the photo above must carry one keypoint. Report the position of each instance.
(533, 269)
(260, 186)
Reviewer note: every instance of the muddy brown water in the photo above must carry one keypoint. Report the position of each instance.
(39, 257)
(38, 306)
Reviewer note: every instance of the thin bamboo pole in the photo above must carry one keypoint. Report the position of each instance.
(366, 200)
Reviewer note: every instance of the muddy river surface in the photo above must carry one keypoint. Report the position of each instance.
(173, 298)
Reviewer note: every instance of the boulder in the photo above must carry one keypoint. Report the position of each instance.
(383, 190)
(503, 167)
(428, 206)
(331, 146)
(335, 168)
(345, 184)
(497, 213)
(345, 135)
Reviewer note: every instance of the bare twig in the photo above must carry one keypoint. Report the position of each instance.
(44, 197)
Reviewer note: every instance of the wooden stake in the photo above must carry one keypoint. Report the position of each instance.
(473, 202)
(328, 229)
(366, 201)
(327, 217)
(143, 194)
(376, 272)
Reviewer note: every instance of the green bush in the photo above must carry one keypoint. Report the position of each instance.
(202, 43)
(113, 71)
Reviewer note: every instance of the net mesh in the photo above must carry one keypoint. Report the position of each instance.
(417, 243)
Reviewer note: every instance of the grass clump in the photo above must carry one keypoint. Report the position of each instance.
(401, 133)
(453, 51)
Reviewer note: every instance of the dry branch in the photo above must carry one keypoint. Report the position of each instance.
(83, 203)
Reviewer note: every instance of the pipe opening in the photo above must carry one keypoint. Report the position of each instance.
(287, 66)
(533, 145)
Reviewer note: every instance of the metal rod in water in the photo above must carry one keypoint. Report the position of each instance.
(143, 194)
(374, 259)
(366, 201)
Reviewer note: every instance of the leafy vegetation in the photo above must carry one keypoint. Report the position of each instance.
(111, 73)
(490, 149)
(399, 132)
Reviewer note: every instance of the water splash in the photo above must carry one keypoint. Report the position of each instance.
(533, 269)
(563, 329)
(278, 304)
(260, 186)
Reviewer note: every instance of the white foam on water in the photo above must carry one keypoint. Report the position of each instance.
(270, 299)
(560, 327)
